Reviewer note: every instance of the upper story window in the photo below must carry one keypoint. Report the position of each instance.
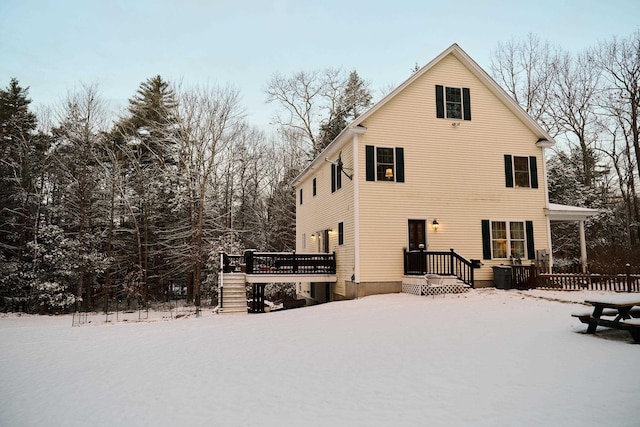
(453, 103)
(385, 163)
(301, 196)
(336, 178)
(314, 187)
(521, 171)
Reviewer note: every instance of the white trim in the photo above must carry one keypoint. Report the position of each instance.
(557, 212)
(546, 207)
(356, 210)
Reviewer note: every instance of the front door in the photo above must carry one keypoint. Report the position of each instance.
(323, 241)
(417, 234)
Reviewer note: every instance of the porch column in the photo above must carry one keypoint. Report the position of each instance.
(583, 248)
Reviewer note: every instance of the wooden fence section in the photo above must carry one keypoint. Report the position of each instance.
(527, 277)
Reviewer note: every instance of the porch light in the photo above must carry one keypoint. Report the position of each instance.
(388, 173)
(435, 225)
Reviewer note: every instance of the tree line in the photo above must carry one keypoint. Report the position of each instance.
(137, 210)
(95, 211)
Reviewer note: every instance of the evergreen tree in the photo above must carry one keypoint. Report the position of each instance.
(354, 99)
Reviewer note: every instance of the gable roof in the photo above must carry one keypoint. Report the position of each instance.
(544, 139)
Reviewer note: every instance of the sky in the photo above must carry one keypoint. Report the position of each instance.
(53, 47)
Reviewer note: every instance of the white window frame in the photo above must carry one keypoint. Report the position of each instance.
(393, 164)
(509, 240)
(447, 102)
(515, 172)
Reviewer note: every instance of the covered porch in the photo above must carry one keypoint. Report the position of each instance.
(565, 213)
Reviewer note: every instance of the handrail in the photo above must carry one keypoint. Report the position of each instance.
(444, 263)
(253, 262)
(289, 263)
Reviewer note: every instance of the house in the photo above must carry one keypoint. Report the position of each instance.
(446, 161)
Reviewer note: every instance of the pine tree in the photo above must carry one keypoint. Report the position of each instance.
(354, 99)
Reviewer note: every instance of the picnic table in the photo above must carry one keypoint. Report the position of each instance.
(614, 311)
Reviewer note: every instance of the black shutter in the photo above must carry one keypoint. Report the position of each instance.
(533, 170)
(508, 170)
(486, 239)
(371, 162)
(466, 103)
(439, 102)
(341, 233)
(333, 178)
(531, 247)
(301, 196)
(399, 164)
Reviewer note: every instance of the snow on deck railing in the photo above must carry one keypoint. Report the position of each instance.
(253, 262)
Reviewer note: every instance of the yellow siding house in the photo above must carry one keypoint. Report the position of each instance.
(446, 161)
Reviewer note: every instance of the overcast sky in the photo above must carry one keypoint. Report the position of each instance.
(51, 46)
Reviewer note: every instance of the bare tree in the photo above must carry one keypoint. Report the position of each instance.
(619, 61)
(208, 121)
(573, 103)
(305, 100)
(525, 70)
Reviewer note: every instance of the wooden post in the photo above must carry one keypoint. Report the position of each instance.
(451, 269)
(533, 279)
(627, 268)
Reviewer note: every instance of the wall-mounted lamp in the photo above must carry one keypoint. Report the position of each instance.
(435, 225)
(313, 236)
(388, 173)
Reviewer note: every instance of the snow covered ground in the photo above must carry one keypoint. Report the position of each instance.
(485, 358)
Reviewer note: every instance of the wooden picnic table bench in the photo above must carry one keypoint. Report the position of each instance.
(620, 306)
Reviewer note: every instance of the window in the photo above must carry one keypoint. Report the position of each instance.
(341, 233)
(385, 163)
(304, 240)
(314, 187)
(300, 196)
(521, 171)
(336, 178)
(507, 239)
(453, 103)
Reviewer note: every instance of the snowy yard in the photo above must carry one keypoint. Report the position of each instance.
(485, 358)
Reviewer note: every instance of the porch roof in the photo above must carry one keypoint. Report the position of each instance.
(557, 212)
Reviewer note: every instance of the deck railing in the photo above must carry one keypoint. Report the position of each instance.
(530, 276)
(253, 262)
(444, 263)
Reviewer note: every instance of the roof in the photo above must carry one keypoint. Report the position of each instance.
(557, 212)
(544, 139)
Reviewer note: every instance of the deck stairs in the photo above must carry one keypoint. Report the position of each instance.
(234, 294)
(432, 284)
